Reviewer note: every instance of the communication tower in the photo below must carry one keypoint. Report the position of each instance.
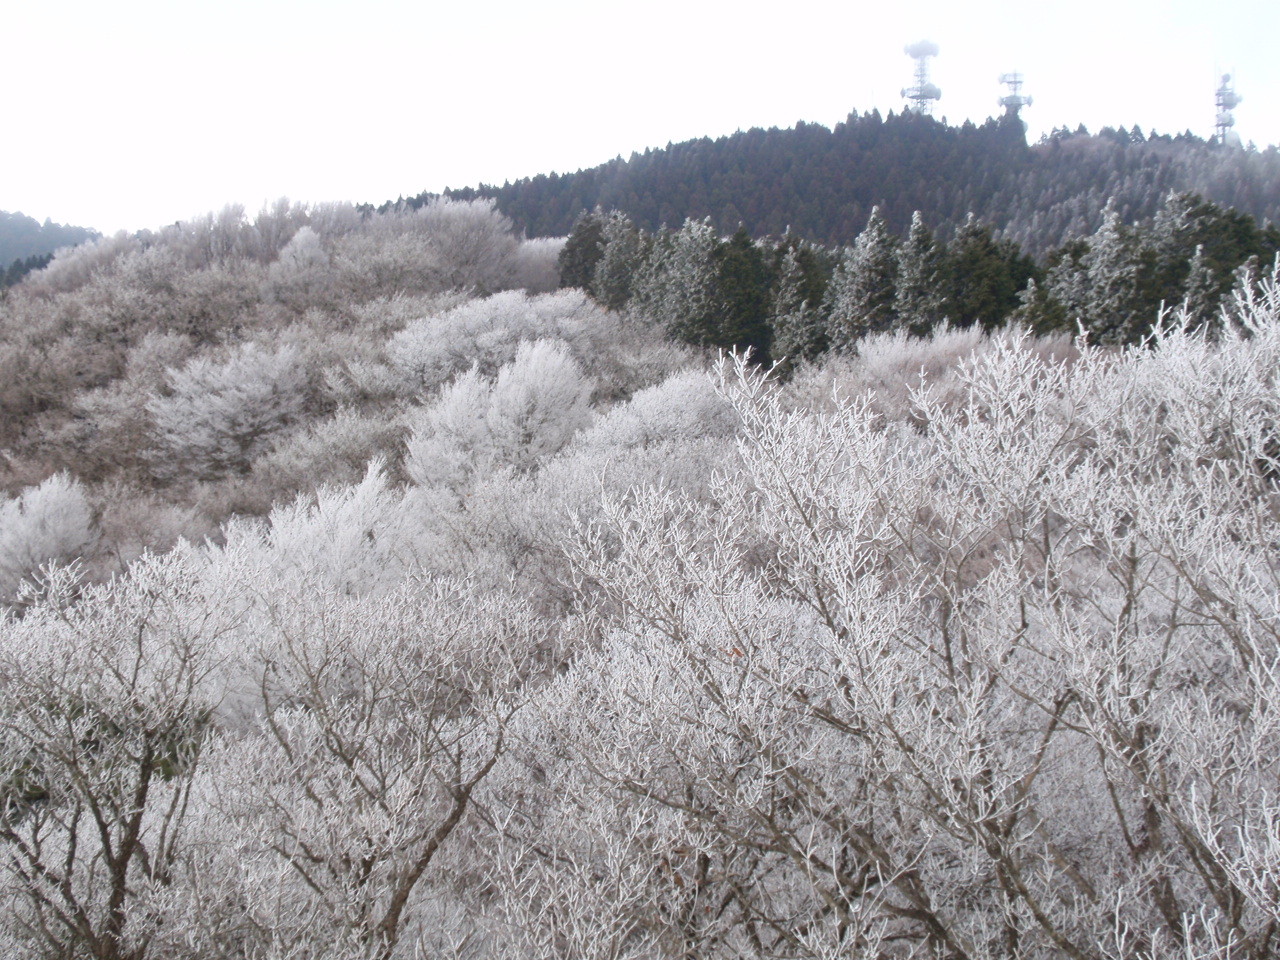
(924, 93)
(1227, 100)
(1015, 101)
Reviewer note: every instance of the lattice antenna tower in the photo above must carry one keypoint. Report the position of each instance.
(925, 93)
(1014, 101)
(1226, 100)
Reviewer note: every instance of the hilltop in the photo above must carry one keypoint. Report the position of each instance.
(822, 183)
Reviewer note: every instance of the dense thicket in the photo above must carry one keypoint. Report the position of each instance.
(822, 183)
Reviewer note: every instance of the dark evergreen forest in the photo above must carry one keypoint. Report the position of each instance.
(822, 183)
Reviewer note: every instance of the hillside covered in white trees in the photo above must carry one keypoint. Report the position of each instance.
(367, 596)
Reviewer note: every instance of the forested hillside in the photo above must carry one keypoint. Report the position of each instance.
(822, 183)
(26, 244)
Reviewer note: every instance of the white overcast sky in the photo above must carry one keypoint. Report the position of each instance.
(126, 114)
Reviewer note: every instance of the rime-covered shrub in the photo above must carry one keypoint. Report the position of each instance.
(52, 522)
(443, 245)
(348, 537)
(684, 407)
(301, 274)
(217, 417)
(73, 267)
(529, 411)
(332, 452)
(537, 264)
(485, 333)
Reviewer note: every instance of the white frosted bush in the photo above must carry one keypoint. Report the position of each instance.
(485, 333)
(48, 523)
(529, 411)
(348, 538)
(218, 417)
(684, 407)
(301, 273)
(331, 451)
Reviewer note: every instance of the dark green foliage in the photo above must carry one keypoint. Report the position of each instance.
(983, 276)
(920, 298)
(582, 251)
(20, 268)
(741, 309)
(799, 274)
(621, 251)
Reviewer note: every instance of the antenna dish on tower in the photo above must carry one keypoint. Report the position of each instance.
(924, 93)
(1226, 100)
(1015, 101)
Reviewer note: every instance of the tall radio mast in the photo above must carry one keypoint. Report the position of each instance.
(1226, 100)
(1015, 101)
(925, 92)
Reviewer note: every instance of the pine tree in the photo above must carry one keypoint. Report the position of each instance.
(1201, 294)
(617, 265)
(1111, 309)
(741, 310)
(919, 301)
(1038, 311)
(676, 282)
(983, 276)
(582, 251)
(861, 296)
(799, 330)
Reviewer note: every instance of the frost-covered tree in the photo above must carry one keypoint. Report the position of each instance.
(531, 409)
(107, 708)
(969, 659)
(919, 301)
(49, 523)
(1112, 271)
(378, 717)
(215, 418)
(582, 250)
(611, 282)
(860, 299)
(475, 244)
(1097, 283)
(1202, 292)
(301, 273)
(676, 284)
(799, 329)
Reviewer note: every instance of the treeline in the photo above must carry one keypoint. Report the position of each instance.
(26, 244)
(789, 297)
(822, 183)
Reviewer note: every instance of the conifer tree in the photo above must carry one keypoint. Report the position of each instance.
(861, 296)
(1111, 309)
(982, 276)
(582, 251)
(611, 284)
(799, 331)
(675, 285)
(1201, 294)
(919, 300)
(739, 318)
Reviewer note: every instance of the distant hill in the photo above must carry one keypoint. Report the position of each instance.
(24, 239)
(822, 183)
